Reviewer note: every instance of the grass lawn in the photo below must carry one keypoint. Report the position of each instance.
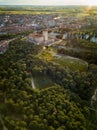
(71, 62)
(47, 54)
(42, 81)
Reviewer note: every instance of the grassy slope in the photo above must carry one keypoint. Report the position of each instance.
(65, 61)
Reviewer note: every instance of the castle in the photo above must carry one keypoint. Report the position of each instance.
(40, 38)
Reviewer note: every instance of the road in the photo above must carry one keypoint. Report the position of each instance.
(57, 42)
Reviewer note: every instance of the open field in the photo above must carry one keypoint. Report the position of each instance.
(67, 10)
(25, 12)
(71, 62)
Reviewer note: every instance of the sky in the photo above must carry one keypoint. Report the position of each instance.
(48, 2)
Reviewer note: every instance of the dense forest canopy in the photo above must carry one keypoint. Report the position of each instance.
(62, 106)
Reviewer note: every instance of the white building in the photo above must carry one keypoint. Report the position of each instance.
(45, 35)
(38, 38)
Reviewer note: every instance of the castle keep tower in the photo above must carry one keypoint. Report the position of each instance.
(45, 35)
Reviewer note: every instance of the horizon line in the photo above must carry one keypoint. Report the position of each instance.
(46, 5)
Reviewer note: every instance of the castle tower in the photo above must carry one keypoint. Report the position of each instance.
(45, 35)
